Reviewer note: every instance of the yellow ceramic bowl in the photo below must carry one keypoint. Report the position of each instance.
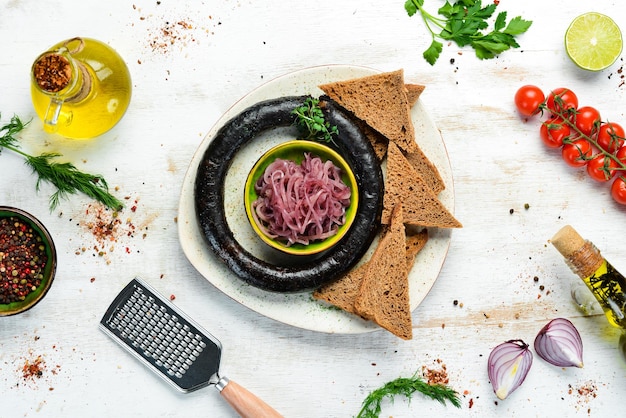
(294, 151)
(27, 224)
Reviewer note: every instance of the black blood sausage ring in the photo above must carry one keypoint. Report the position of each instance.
(209, 198)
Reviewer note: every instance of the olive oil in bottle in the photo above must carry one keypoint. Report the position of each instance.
(80, 88)
(605, 282)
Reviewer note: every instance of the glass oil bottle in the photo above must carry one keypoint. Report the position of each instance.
(605, 282)
(80, 88)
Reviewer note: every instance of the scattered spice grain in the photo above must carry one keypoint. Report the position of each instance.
(436, 376)
(33, 368)
(168, 31)
(584, 393)
(108, 228)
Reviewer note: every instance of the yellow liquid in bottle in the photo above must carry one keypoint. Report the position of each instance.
(608, 286)
(107, 100)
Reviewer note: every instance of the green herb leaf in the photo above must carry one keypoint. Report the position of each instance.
(411, 7)
(448, 10)
(311, 122)
(9, 131)
(486, 48)
(500, 22)
(372, 405)
(463, 22)
(64, 176)
(433, 52)
(517, 26)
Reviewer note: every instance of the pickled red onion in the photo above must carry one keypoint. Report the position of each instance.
(301, 203)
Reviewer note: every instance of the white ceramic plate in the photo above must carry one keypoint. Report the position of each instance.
(300, 309)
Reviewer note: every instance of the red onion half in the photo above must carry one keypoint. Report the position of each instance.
(508, 365)
(559, 343)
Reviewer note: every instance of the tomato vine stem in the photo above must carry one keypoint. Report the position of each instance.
(567, 116)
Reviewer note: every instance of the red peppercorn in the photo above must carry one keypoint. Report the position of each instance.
(20, 244)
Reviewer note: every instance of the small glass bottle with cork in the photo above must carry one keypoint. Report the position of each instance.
(605, 283)
(80, 88)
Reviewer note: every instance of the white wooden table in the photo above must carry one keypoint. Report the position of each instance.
(183, 81)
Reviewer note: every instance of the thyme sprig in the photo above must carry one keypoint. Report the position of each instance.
(64, 176)
(372, 405)
(311, 122)
(567, 116)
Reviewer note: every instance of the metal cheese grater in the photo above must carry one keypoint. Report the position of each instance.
(163, 337)
(174, 346)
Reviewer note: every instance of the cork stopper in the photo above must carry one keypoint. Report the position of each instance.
(567, 241)
(581, 255)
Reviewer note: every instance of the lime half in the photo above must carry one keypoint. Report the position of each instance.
(593, 41)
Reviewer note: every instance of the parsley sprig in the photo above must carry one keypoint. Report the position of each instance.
(464, 23)
(311, 123)
(64, 176)
(372, 405)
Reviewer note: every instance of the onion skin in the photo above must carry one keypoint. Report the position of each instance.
(508, 366)
(559, 344)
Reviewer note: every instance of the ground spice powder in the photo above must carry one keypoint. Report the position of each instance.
(436, 376)
(109, 228)
(33, 368)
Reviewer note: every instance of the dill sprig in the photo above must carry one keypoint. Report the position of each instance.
(64, 176)
(371, 407)
(311, 123)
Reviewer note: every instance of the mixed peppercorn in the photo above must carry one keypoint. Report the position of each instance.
(22, 260)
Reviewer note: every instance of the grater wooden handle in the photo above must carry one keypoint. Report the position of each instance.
(247, 404)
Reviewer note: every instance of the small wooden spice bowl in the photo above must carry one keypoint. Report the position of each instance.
(28, 261)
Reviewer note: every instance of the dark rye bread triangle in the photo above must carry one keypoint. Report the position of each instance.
(379, 141)
(421, 207)
(381, 101)
(426, 169)
(384, 293)
(415, 242)
(416, 156)
(413, 92)
(343, 292)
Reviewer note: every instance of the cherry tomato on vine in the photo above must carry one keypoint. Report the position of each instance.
(621, 155)
(618, 190)
(610, 136)
(576, 153)
(528, 99)
(586, 119)
(561, 99)
(553, 131)
(601, 168)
